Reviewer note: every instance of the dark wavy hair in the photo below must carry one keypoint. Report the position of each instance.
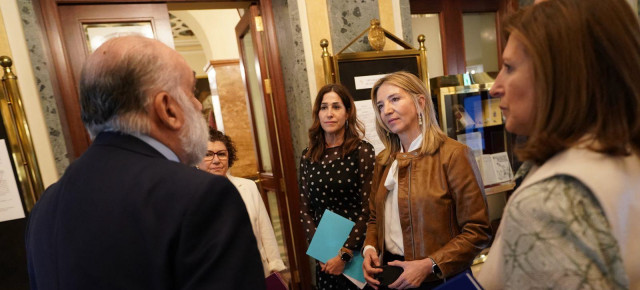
(215, 135)
(354, 131)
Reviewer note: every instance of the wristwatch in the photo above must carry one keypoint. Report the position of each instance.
(345, 256)
(435, 268)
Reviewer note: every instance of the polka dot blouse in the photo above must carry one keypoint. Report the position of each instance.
(340, 184)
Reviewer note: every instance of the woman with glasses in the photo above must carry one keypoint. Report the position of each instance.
(221, 154)
(335, 174)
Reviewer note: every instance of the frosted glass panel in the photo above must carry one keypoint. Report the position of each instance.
(429, 26)
(480, 46)
(259, 115)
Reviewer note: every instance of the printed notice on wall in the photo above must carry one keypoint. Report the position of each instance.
(367, 116)
(10, 205)
(367, 82)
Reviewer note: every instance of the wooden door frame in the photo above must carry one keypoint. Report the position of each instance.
(283, 143)
(452, 34)
(62, 76)
(284, 139)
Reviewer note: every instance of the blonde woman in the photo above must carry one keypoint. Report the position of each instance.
(428, 210)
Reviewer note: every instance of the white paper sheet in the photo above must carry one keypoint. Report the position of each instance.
(10, 205)
(367, 116)
(356, 282)
(367, 82)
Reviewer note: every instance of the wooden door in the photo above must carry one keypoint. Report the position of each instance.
(82, 25)
(272, 142)
(451, 26)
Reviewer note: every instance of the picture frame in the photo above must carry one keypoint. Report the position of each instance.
(359, 71)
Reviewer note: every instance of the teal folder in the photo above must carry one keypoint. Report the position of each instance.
(330, 236)
(353, 269)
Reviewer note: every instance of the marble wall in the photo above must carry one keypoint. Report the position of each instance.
(40, 62)
(405, 15)
(294, 72)
(347, 20)
(235, 116)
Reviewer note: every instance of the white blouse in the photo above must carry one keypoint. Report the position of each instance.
(393, 240)
(261, 224)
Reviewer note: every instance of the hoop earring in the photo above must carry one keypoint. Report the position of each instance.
(420, 119)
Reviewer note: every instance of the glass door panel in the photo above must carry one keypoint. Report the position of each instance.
(480, 44)
(252, 68)
(260, 101)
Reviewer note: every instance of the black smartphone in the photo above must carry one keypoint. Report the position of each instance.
(389, 274)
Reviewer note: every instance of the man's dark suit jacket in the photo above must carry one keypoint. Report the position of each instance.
(125, 217)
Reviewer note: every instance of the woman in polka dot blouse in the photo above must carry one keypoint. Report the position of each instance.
(335, 174)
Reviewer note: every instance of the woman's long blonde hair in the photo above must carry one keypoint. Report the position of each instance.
(432, 135)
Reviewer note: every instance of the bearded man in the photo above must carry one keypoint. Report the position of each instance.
(132, 212)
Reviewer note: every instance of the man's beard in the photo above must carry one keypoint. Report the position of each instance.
(194, 134)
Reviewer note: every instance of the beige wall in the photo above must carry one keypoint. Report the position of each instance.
(634, 4)
(429, 26)
(215, 29)
(17, 47)
(4, 42)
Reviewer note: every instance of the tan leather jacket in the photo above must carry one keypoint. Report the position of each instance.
(443, 208)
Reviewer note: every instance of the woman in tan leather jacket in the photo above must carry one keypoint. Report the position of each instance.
(428, 210)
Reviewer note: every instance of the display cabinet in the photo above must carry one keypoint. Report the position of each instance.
(467, 113)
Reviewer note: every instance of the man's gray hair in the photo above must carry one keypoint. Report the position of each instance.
(117, 84)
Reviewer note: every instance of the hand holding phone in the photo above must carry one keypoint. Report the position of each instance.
(389, 274)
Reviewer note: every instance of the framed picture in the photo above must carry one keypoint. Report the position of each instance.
(97, 33)
(359, 71)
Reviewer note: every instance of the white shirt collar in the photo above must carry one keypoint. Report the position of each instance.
(415, 144)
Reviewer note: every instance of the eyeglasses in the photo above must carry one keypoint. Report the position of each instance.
(222, 155)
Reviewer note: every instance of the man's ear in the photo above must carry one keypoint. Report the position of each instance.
(169, 112)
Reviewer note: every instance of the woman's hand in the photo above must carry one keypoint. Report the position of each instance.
(414, 273)
(371, 261)
(334, 266)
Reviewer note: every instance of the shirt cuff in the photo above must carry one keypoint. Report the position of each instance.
(369, 247)
(276, 266)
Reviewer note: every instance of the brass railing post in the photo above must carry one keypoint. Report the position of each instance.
(19, 136)
(424, 70)
(327, 63)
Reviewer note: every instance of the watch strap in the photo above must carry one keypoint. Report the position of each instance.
(435, 268)
(345, 255)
